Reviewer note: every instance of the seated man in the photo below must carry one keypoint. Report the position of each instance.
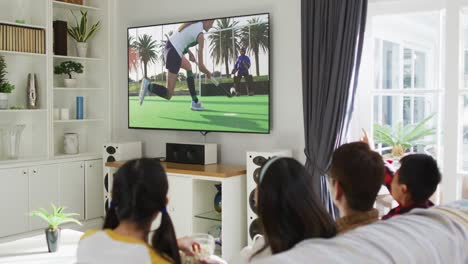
(242, 67)
(413, 183)
(356, 175)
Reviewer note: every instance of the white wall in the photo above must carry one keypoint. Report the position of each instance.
(287, 117)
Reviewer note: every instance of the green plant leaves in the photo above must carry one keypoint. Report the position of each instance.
(68, 67)
(5, 86)
(57, 217)
(407, 136)
(80, 31)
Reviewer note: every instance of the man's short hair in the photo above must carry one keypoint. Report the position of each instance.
(420, 174)
(360, 172)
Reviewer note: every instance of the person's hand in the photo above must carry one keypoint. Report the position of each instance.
(192, 58)
(209, 75)
(188, 246)
(365, 138)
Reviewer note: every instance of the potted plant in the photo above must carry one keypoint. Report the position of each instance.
(5, 86)
(82, 33)
(402, 137)
(69, 67)
(54, 219)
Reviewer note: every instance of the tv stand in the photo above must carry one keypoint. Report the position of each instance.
(191, 201)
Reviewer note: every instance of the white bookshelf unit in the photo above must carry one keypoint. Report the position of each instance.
(43, 136)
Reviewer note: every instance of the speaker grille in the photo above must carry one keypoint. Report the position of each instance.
(110, 159)
(252, 201)
(259, 160)
(111, 150)
(256, 175)
(254, 228)
(185, 153)
(106, 182)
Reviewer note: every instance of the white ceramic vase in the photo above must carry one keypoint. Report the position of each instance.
(70, 83)
(82, 49)
(3, 101)
(71, 143)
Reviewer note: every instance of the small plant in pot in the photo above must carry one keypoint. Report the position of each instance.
(54, 219)
(69, 67)
(5, 86)
(402, 137)
(82, 33)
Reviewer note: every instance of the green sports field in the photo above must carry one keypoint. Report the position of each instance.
(237, 114)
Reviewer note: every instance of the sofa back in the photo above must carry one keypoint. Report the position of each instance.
(437, 235)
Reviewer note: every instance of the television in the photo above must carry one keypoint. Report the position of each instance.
(210, 75)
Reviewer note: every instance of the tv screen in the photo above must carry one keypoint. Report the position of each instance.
(207, 75)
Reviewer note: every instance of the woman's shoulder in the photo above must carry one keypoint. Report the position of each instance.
(89, 233)
(250, 252)
(128, 245)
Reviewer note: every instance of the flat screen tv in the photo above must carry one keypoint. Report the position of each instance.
(206, 75)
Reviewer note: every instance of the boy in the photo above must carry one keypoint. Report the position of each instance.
(356, 176)
(413, 183)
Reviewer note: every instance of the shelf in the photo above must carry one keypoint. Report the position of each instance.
(212, 215)
(76, 58)
(23, 111)
(21, 160)
(77, 121)
(59, 4)
(90, 155)
(77, 89)
(21, 25)
(22, 53)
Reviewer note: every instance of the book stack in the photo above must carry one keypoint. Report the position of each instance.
(22, 39)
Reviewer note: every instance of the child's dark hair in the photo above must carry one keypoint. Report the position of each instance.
(360, 172)
(288, 208)
(139, 192)
(420, 174)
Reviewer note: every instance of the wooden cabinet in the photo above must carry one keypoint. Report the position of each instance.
(14, 201)
(94, 189)
(43, 191)
(72, 187)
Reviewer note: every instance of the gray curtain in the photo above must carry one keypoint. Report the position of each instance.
(332, 40)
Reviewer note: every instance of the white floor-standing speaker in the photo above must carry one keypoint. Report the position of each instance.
(255, 160)
(116, 152)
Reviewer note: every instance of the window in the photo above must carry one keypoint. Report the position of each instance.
(415, 65)
(402, 97)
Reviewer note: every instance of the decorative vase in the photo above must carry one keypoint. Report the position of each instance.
(70, 83)
(32, 100)
(53, 239)
(217, 199)
(82, 49)
(71, 143)
(12, 140)
(3, 101)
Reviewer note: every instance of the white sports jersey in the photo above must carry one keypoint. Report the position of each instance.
(107, 246)
(187, 38)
